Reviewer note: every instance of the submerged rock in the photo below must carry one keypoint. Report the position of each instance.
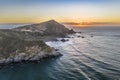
(82, 37)
(78, 36)
(64, 40)
(71, 31)
(55, 40)
(80, 32)
(91, 35)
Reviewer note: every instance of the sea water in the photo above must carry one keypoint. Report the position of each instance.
(95, 57)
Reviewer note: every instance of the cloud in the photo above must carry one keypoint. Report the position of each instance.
(71, 23)
(90, 23)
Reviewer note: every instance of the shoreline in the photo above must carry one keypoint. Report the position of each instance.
(27, 43)
(2, 65)
(46, 39)
(36, 54)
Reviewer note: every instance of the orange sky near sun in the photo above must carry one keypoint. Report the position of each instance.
(75, 13)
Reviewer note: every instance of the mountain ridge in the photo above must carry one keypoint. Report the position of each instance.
(50, 27)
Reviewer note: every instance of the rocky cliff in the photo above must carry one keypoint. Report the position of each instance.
(17, 50)
(26, 43)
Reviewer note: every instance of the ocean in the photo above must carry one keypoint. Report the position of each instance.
(95, 57)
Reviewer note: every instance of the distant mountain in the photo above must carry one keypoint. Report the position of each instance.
(46, 28)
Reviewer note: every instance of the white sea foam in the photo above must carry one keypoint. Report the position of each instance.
(59, 43)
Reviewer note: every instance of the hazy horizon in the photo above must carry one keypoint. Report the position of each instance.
(72, 12)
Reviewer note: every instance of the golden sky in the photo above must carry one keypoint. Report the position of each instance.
(77, 12)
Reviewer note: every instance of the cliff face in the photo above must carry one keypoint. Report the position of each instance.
(25, 43)
(16, 50)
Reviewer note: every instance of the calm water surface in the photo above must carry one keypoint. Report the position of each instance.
(89, 58)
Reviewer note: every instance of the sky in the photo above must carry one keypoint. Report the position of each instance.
(72, 12)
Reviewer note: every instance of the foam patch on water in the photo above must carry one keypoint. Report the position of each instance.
(58, 43)
(71, 40)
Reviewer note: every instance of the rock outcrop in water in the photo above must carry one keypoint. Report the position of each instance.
(26, 43)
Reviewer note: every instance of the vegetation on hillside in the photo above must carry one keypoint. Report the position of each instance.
(11, 45)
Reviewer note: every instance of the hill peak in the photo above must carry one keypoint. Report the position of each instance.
(50, 27)
(52, 21)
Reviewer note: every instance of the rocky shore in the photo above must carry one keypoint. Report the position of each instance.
(27, 43)
(17, 50)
